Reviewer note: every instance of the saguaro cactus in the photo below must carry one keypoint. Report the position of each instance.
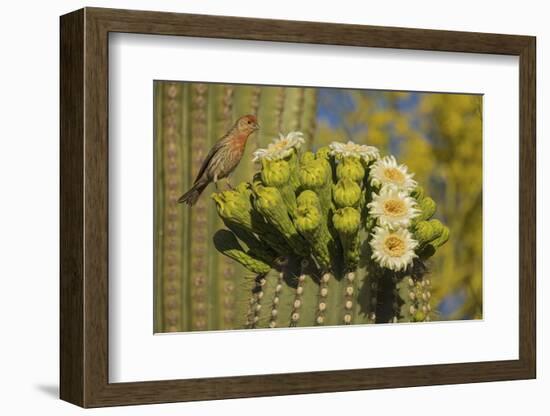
(197, 288)
(339, 236)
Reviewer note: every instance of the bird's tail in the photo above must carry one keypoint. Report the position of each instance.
(192, 195)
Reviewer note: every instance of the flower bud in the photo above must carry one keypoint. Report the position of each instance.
(347, 220)
(268, 198)
(323, 153)
(427, 208)
(275, 172)
(443, 237)
(307, 198)
(351, 168)
(234, 205)
(425, 232)
(347, 193)
(418, 193)
(313, 174)
(243, 189)
(307, 157)
(308, 218)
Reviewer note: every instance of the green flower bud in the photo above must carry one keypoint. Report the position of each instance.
(323, 153)
(243, 188)
(294, 167)
(347, 193)
(310, 223)
(275, 172)
(443, 237)
(328, 169)
(351, 168)
(313, 175)
(418, 193)
(306, 198)
(347, 220)
(270, 204)
(268, 198)
(426, 231)
(308, 219)
(307, 157)
(427, 209)
(234, 206)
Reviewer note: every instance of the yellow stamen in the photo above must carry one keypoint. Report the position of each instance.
(394, 207)
(394, 175)
(394, 246)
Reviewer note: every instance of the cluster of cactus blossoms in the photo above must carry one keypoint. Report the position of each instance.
(339, 236)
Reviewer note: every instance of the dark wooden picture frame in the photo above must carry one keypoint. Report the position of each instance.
(84, 207)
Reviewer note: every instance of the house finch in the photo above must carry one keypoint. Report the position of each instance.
(223, 158)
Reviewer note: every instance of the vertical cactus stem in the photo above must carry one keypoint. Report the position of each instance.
(279, 107)
(364, 296)
(276, 301)
(299, 109)
(424, 300)
(293, 109)
(388, 303)
(159, 207)
(415, 295)
(309, 116)
(268, 297)
(372, 297)
(322, 302)
(299, 297)
(255, 99)
(349, 296)
(255, 301)
(255, 96)
(199, 214)
(227, 313)
(171, 260)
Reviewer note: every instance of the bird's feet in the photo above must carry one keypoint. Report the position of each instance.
(227, 185)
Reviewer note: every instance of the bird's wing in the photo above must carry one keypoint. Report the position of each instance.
(207, 159)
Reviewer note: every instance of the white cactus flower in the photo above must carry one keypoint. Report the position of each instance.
(393, 250)
(386, 171)
(281, 147)
(351, 149)
(393, 208)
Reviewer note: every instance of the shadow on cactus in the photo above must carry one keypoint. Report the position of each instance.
(337, 237)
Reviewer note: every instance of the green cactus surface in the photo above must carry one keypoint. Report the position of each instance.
(199, 283)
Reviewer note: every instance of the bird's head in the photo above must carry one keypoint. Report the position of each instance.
(247, 124)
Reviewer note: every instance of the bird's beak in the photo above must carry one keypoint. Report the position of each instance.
(256, 126)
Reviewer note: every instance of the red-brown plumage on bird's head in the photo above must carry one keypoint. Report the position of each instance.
(247, 124)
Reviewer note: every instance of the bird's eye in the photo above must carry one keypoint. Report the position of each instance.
(249, 122)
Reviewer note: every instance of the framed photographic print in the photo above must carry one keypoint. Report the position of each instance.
(256, 207)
